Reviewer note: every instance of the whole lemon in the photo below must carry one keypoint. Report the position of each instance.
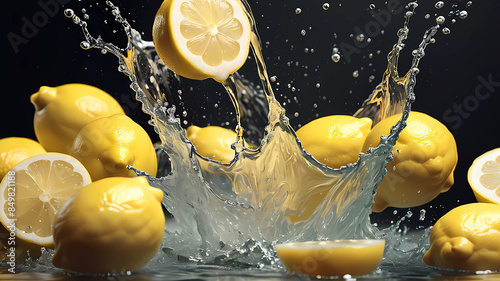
(213, 142)
(108, 145)
(61, 112)
(425, 156)
(467, 237)
(335, 140)
(112, 225)
(15, 149)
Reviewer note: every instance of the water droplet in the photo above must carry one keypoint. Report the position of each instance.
(85, 45)
(469, 4)
(427, 16)
(303, 32)
(104, 51)
(326, 6)
(439, 4)
(298, 11)
(86, 17)
(372, 6)
(76, 20)
(360, 37)
(69, 13)
(29, 229)
(216, 105)
(440, 20)
(318, 85)
(355, 74)
(463, 14)
(446, 30)
(184, 113)
(273, 78)
(296, 114)
(335, 57)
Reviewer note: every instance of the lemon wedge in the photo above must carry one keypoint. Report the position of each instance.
(332, 258)
(33, 192)
(201, 39)
(484, 177)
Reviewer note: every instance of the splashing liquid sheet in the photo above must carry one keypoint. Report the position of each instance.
(236, 212)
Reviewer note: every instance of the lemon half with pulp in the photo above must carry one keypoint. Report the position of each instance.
(332, 258)
(484, 177)
(201, 39)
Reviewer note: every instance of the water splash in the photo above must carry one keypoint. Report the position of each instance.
(237, 211)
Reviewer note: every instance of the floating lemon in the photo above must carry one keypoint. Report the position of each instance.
(213, 142)
(108, 145)
(335, 140)
(61, 112)
(13, 150)
(425, 156)
(484, 177)
(201, 39)
(112, 225)
(332, 258)
(467, 237)
(34, 191)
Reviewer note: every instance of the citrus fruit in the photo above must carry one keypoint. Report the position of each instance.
(32, 193)
(425, 156)
(62, 111)
(201, 39)
(332, 258)
(335, 140)
(484, 177)
(112, 225)
(108, 145)
(466, 238)
(15, 149)
(213, 142)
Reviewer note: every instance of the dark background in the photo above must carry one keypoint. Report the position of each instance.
(449, 73)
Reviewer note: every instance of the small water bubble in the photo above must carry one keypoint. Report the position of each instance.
(296, 114)
(335, 57)
(29, 229)
(273, 78)
(76, 20)
(303, 32)
(85, 45)
(216, 105)
(468, 4)
(355, 74)
(326, 6)
(86, 17)
(394, 212)
(422, 214)
(298, 11)
(69, 13)
(427, 16)
(315, 105)
(372, 6)
(440, 20)
(185, 122)
(84, 10)
(184, 113)
(360, 37)
(439, 4)
(446, 30)
(104, 51)
(318, 85)
(463, 14)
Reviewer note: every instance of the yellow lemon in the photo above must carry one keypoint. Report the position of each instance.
(108, 145)
(14, 149)
(201, 39)
(425, 156)
(332, 258)
(213, 142)
(32, 193)
(112, 225)
(484, 177)
(61, 112)
(335, 140)
(467, 238)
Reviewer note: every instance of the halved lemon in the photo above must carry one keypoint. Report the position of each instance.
(33, 192)
(484, 177)
(332, 258)
(201, 39)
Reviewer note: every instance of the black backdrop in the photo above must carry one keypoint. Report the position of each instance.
(459, 80)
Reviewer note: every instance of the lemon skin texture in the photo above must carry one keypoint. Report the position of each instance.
(14, 150)
(112, 225)
(61, 112)
(335, 140)
(108, 145)
(213, 142)
(467, 237)
(425, 157)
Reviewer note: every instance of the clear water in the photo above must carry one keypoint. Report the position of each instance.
(231, 214)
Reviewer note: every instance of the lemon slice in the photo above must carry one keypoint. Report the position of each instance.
(201, 39)
(484, 177)
(33, 192)
(332, 258)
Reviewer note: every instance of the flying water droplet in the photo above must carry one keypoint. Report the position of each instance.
(298, 11)
(463, 14)
(440, 20)
(335, 57)
(326, 6)
(439, 4)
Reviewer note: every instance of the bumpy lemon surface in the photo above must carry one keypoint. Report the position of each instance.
(484, 177)
(61, 112)
(425, 156)
(33, 192)
(15, 149)
(335, 140)
(108, 145)
(467, 237)
(213, 142)
(332, 258)
(201, 39)
(113, 225)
